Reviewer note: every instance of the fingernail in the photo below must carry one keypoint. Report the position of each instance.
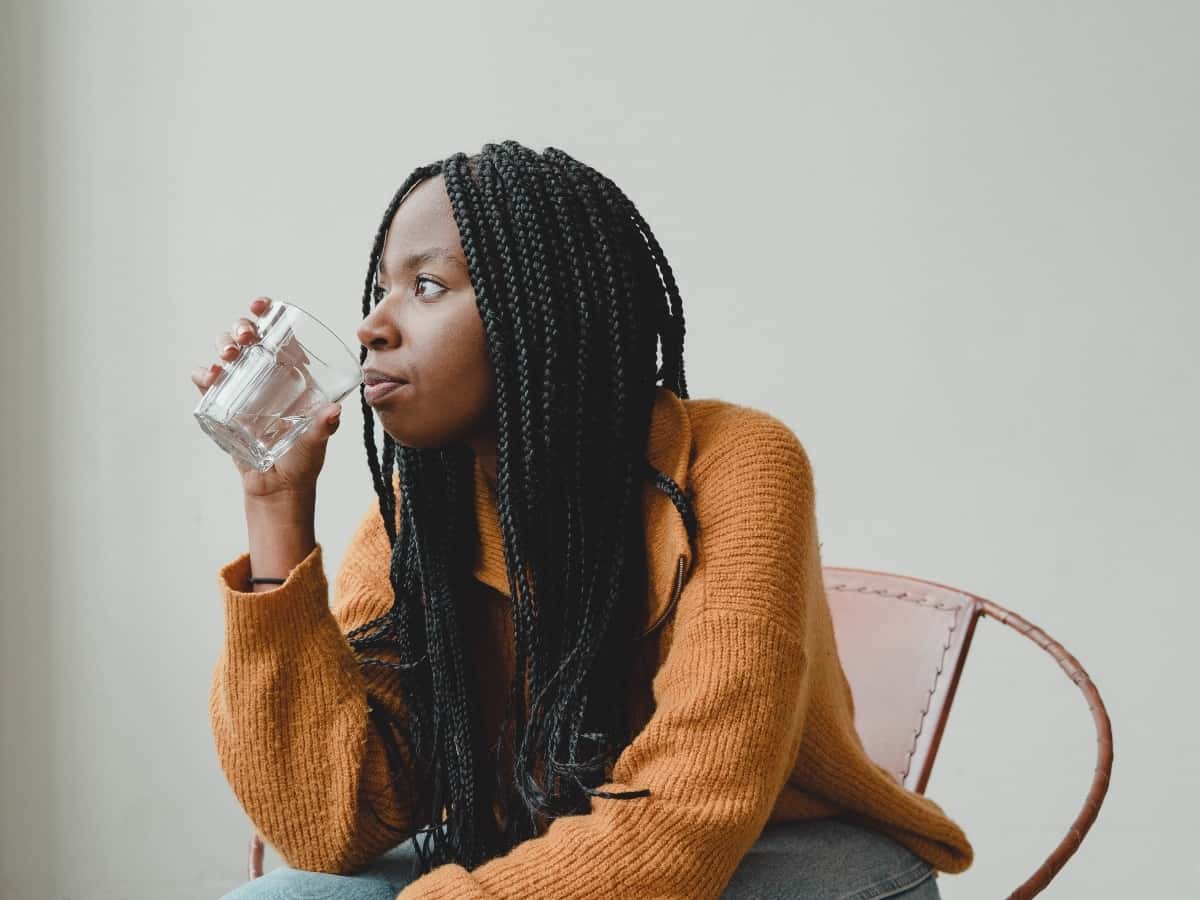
(229, 347)
(243, 330)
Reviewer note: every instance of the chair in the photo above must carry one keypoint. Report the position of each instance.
(902, 643)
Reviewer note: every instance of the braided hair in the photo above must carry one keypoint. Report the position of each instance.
(576, 297)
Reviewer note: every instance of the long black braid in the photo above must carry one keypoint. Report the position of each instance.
(576, 297)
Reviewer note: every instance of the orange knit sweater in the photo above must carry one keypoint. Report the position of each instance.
(742, 712)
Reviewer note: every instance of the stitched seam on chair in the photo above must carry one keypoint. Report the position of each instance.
(956, 610)
(893, 884)
(923, 600)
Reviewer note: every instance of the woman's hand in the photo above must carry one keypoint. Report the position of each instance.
(295, 473)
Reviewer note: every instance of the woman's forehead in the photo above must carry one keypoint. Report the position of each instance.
(423, 226)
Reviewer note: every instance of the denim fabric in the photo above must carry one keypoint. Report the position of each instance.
(826, 859)
(829, 858)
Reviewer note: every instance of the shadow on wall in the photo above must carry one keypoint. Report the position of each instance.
(26, 732)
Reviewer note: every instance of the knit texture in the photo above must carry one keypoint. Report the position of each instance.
(742, 713)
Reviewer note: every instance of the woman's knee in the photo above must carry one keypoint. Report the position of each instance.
(829, 858)
(286, 883)
(926, 890)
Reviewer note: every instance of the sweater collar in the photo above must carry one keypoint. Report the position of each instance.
(668, 553)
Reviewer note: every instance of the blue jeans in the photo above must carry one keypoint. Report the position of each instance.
(825, 858)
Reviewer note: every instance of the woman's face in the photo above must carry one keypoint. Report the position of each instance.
(426, 330)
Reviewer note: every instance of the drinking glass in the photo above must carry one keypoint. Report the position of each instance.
(263, 400)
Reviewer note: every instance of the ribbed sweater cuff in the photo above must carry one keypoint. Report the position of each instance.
(302, 599)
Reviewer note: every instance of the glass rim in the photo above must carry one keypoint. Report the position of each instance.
(312, 318)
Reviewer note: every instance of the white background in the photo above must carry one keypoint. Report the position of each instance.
(953, 245)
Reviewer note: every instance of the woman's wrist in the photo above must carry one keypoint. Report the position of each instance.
(281, 534)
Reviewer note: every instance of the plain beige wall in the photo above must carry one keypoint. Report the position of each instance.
(952, 244)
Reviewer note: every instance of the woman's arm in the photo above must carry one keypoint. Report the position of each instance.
(731, 695)
(280, 532)
(289, 709)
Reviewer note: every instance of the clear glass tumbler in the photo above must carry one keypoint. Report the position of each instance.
(264, 399)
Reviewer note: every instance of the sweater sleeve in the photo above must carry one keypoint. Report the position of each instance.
(731, 697)
(289, 711)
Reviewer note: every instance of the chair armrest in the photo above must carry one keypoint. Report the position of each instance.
(1104, 747)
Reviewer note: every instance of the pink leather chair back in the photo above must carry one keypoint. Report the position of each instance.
(902, 643)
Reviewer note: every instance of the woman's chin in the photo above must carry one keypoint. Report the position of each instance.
(402, 437)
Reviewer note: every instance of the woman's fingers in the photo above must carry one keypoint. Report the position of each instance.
(230, 343)
(227, 347)
(244, 332)
(202, 376)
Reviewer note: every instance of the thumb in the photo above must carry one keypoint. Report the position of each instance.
(324, 424)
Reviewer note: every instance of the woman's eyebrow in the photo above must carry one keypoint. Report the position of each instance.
(414, 260)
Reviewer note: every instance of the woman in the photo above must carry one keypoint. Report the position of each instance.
(580, 647)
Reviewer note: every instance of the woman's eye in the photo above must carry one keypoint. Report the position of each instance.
(378, 293)
(421, 279)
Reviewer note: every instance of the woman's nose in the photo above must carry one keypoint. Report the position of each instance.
(378, 330)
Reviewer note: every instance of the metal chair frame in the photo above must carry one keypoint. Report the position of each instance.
(974, 607)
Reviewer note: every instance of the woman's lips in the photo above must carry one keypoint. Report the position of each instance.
(375, 392)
